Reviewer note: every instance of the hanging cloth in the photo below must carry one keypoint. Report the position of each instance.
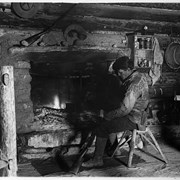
(155, 71)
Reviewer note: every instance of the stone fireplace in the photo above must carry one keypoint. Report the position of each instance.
(57, 90)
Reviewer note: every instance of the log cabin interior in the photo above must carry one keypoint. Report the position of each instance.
(59, 50)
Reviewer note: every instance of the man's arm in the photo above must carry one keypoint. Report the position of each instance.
(125, 107)
(136, 89)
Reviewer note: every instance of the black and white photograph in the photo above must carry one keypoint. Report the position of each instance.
(90, 89)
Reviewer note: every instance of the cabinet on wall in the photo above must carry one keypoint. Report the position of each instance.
(142, 50)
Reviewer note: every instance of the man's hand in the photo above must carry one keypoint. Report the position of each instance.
(108, 117)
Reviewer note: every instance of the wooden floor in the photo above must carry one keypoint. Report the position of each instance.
(144, 165)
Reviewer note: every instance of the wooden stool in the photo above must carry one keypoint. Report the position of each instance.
(132, 140)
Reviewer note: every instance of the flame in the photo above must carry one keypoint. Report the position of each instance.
(56, 102)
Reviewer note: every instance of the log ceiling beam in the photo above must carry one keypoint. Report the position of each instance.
(99, 16)
(98, 23)
(55, 54)
(127, 12)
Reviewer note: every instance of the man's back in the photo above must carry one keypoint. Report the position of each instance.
(139, 85)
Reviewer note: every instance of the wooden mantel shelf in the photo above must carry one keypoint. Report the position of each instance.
(39, 49)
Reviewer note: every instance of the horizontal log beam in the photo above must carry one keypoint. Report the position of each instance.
(101, 16)
(163, 11)
(92, 23)
(24, 50)
(127, 12)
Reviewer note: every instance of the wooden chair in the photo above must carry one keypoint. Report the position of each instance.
(146, 136)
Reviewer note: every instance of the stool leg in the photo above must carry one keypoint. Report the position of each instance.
(144, 142)
(132, 147)
(120, 143)
(157, 145)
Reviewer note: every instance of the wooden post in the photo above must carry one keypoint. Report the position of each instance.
(132, 147)
(8, 119)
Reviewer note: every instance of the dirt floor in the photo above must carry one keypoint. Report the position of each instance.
(144, 165)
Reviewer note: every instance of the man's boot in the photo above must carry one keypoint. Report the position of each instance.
(97, 159)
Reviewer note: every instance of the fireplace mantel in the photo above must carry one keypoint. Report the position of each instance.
(39, 49)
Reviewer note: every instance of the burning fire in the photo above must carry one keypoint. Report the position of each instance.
(57, 104)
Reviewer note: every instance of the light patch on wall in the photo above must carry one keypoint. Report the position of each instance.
(63, 105)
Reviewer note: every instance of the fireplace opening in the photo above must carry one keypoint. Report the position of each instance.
(63, 88)
(63, 92)
(66, 84)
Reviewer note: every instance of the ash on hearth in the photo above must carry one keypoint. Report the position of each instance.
(50, 118)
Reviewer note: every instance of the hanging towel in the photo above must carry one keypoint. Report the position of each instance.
(155, 71)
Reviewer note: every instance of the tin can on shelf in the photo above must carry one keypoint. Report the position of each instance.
(148, 43)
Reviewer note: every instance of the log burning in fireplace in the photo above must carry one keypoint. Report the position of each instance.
(57, 103)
